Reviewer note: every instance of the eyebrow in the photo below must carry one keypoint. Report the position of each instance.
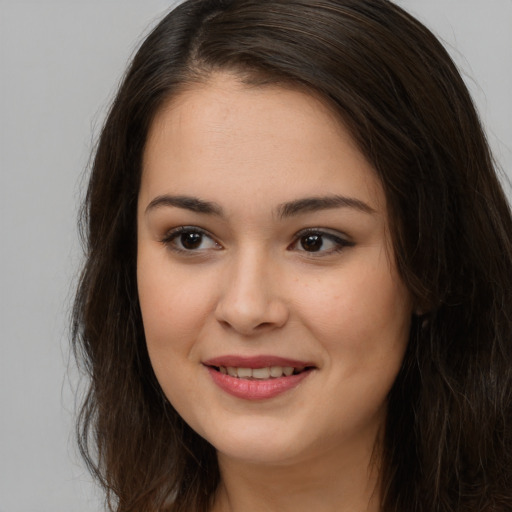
(311, 204)
(284, 210)
(193, 204)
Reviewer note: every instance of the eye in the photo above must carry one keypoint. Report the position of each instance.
(189, 239)
(319, 241)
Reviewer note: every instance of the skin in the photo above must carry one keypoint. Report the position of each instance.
(252, 286)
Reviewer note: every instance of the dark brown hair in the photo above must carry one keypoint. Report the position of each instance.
(448, 441)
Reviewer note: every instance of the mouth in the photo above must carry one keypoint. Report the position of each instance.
(263, 373)
(257, 378)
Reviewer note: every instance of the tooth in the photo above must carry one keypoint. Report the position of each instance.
(261, 373)
(276, 371)
(244, 373)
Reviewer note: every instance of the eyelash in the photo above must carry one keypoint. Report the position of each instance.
(340, 243)
(169, 240)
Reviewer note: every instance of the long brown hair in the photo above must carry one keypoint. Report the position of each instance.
(448, 441)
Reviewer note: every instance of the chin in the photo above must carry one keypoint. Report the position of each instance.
(259, 453)
(259, 443)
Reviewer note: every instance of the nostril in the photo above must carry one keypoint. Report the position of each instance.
(250, 307)
(264, 325)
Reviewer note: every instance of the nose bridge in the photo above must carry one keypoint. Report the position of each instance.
(250, 299)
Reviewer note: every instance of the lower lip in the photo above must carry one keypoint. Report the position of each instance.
(256, 389)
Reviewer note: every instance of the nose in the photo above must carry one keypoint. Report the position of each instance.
(251, 300)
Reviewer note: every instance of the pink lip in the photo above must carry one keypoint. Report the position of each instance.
(255, 362)
(255, 389)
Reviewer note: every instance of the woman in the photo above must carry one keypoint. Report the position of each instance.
(297, 293)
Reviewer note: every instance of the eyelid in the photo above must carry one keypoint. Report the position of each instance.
(340, 239)
(172, 234)
(324, 231)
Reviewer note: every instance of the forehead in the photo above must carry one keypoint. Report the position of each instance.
(225, 134)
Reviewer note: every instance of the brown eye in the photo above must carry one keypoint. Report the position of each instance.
(191, 240)
(320, 242)
(312, 243)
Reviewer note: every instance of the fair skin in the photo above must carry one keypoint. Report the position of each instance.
(263, 242)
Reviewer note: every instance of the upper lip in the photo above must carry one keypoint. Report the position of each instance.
(262, 361)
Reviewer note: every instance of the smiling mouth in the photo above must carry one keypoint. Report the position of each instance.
(264, 373)
(257, 378)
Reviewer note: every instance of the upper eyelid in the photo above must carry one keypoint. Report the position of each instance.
(169, 240)
(184, 229)
(340, 241)
(333, 233)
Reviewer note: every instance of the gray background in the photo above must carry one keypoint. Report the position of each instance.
(60, 61)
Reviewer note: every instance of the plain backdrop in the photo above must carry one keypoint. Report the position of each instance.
(60, 62)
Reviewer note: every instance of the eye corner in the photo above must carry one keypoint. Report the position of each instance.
(320, 242)
(199, 241)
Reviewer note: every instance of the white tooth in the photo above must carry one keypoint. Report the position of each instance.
(261, 373)
(244, 373)
(232, 371)
(276, 371)
(223, 370)
(287, 370)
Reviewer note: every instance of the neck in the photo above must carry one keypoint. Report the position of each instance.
(334, 481)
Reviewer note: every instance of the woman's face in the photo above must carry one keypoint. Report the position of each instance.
(264, 250)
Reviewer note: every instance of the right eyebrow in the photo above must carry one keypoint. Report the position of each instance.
(187, 203)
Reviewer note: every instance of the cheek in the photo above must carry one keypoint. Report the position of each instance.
(173, 313)
(174, 306)
(366, 308)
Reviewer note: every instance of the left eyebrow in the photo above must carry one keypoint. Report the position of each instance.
(312, 204)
